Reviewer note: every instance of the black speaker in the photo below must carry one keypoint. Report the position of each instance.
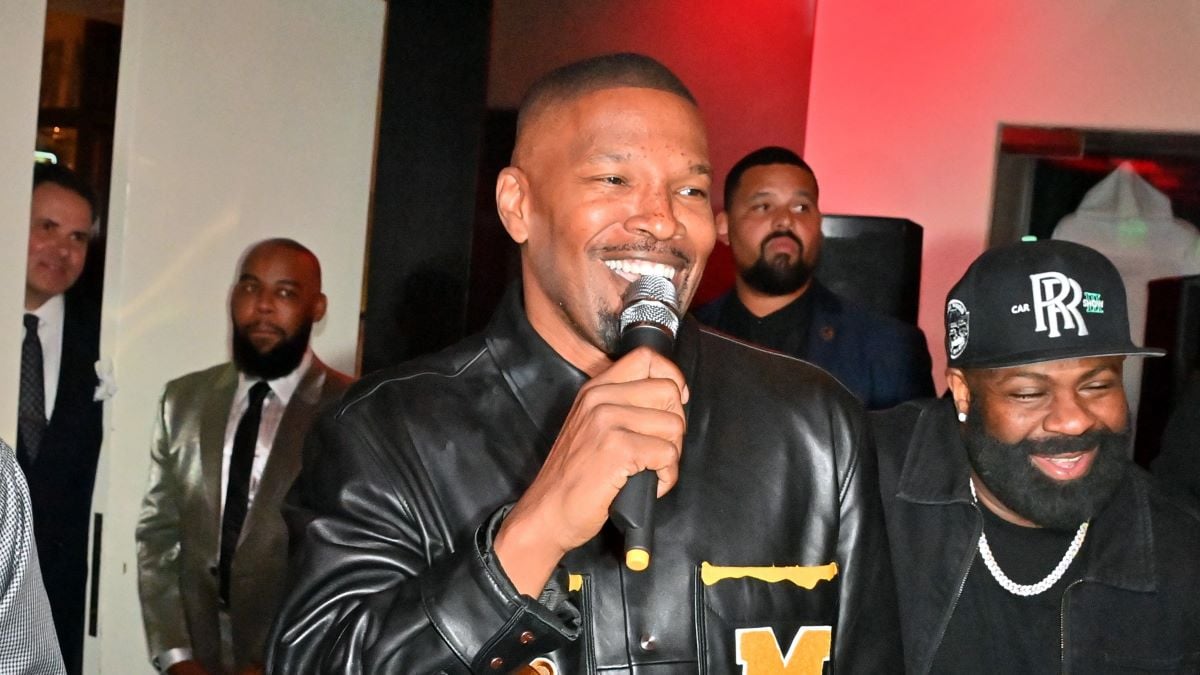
(1173, 324)
(874, 261)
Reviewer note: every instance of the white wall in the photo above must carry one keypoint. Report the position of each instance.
(236, 121)
(21, 27)
(906, 100)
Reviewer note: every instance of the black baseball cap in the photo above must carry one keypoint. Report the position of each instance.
(1038, 301)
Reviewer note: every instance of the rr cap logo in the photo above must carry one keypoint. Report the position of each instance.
(958, 326)
(1056, 296)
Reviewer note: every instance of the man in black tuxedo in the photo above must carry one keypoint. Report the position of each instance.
(59, 428)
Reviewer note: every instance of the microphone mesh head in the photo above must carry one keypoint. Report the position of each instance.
(651, 299)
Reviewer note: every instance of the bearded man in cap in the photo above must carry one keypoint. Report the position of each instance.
(1023, 539)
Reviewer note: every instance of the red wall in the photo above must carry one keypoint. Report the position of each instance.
(908, 98)
(748, 64)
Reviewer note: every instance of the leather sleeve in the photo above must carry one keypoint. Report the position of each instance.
(158, 547)
(373, 588)
(868, 632)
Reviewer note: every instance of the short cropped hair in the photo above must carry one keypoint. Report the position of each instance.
(772, 154)
(599, 72)
(289, 244)
(44, 172)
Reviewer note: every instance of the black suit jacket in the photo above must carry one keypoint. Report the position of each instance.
(61, 479)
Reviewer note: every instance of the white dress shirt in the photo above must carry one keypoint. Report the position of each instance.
(51, 316)
(273, 407)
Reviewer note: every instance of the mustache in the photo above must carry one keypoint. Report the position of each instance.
(648, 245)
(261, 325)
(781, 233)
(1061, 445)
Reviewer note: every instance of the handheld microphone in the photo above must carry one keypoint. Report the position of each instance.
(650, 318)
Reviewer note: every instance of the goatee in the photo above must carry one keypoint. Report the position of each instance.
(1009, 474)
(609, 325)
(779, 275)
(277, 362)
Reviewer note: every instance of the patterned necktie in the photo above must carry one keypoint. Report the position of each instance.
(31, 421)
(237, 490)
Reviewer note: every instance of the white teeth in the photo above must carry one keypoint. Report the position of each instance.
(641, 268)
(1065, 461)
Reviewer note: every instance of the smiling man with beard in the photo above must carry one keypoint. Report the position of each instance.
(1023, 539)
(772, 225)
(212, 544)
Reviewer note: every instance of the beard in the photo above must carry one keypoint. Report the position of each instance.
(779, 275)
(1007, 471)
(277, 362)
(608, 326)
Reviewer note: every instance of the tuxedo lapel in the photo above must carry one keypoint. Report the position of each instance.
(214, 419)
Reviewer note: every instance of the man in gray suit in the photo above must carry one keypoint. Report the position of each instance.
(212, 545)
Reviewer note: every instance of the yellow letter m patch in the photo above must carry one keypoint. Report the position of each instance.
(758, 652)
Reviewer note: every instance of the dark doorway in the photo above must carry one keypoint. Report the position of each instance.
(76, 110)
(430, 124)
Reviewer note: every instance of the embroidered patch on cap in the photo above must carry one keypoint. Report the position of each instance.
(959, 327)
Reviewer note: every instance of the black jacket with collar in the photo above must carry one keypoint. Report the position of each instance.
(880, 359)
(396, 574)
(1136, 606)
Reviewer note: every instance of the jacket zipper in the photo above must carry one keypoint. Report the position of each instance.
(1062, 628)
(962, 583)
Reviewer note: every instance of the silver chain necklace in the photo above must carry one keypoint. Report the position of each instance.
(1026, 590)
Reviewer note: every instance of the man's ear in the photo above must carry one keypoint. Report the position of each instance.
(956, 379)
(319, 307)
(512, 202)
(723, 227)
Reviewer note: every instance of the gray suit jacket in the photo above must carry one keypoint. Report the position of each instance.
(180, 523)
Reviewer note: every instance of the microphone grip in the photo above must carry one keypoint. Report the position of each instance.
(633, 509)
(646, 335)
(633, 514)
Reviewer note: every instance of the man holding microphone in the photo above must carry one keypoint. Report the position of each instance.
(455, 519)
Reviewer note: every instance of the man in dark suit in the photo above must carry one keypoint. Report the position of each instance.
(772, 224)
(59, 427)
(212, 545)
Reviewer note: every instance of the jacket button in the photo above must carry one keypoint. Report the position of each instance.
(496, 663)
(212, 569)
(526, 638)
(648, 642)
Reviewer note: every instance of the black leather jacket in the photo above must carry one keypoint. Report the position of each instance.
(1136, 606)
(396, 575)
